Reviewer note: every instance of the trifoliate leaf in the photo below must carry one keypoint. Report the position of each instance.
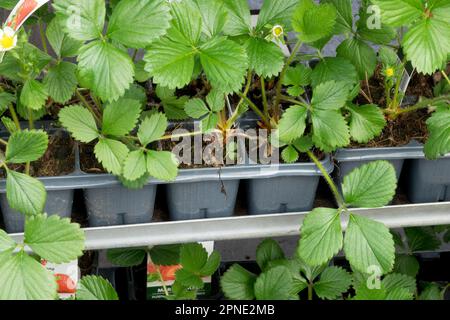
(366, 122)
(135, 165)
(330, 130)
(34, 94)
(80, 123)
(193, 257)
(111, 154)
(368, 244)
(334, 69)
(334, 281)
(61, 42)
(293, 123)
(209, 122)
(24, 193)
(238, 283)
(370, 186)
(360, 54)
(303, 144)
(96, 288)
(26, 146)
(81, 19)
(162, 165)
(289, 154)
(379, 35)
(313, 22)
(274, 284)
(187, 21)
(397, 13)
(61, 81)
(120, 117)
(152, 128)
(224, 63)
(264, 57)
(268, 250)
(427, 44)
(215, 100)
(54, 239)
(321, 236)
(276, 12)
(105, 69)
(24, 278)
(150, 20)
(438, 143)
(173, 106)
(126, 257)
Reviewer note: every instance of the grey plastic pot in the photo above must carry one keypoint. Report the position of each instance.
(292, 188)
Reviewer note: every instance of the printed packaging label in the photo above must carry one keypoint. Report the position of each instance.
(67, 276)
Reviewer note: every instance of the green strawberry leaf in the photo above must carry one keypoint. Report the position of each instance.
(366, 122)
(238, 284)
(96, 288)
(26, 146)
(111, 154)
(61, 81)
(162, 165)
(334, 281)
(120, 117)
(80, 123)
(267, 251)
(24, 193)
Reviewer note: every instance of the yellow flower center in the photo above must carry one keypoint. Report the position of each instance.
(278, 31)
(389, 72)
(7, 42)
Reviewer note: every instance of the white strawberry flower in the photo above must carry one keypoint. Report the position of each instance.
(8, 39)
(277, 31)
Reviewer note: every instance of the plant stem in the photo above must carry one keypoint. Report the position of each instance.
(256, 110)
(3, 142)
(15, 117)
(42, 34)
(328, 179)
(236, 113)
(294, 52)
(423, 104)
(181, 135)
(135, 54)
(294, 101)
(310, 291)
(88, 106)
(166, 292)
(445, 76)
(264, 97)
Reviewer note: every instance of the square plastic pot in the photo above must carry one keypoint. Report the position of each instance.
(58, 203)
(292, 189)
(429, 181)
(200, 200)
(117, 205)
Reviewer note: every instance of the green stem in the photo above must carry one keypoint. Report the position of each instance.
(294, 52)
(294, 101)
(264, 97)
(3, 142)
(236, 112)
(256, 110)
(135, 54)
(445, 76)
(166, 292)
(423, 104)
(13, 113)
(181, 135)
(310, 291)
(328, 179)
(42, 34)
(88, 106)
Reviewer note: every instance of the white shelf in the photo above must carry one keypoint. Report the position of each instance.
(249, 227)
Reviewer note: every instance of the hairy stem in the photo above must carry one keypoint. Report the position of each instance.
(264, 97)
(42, 34)
(256, 110)
(236, 113)
(294, 52)
(13, 113)
(329, 180)
(88, 106)
(445, 76)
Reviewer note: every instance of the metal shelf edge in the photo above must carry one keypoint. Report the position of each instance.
(249, 227)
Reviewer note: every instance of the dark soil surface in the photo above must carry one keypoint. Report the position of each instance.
(58, 160)
(88, 161)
